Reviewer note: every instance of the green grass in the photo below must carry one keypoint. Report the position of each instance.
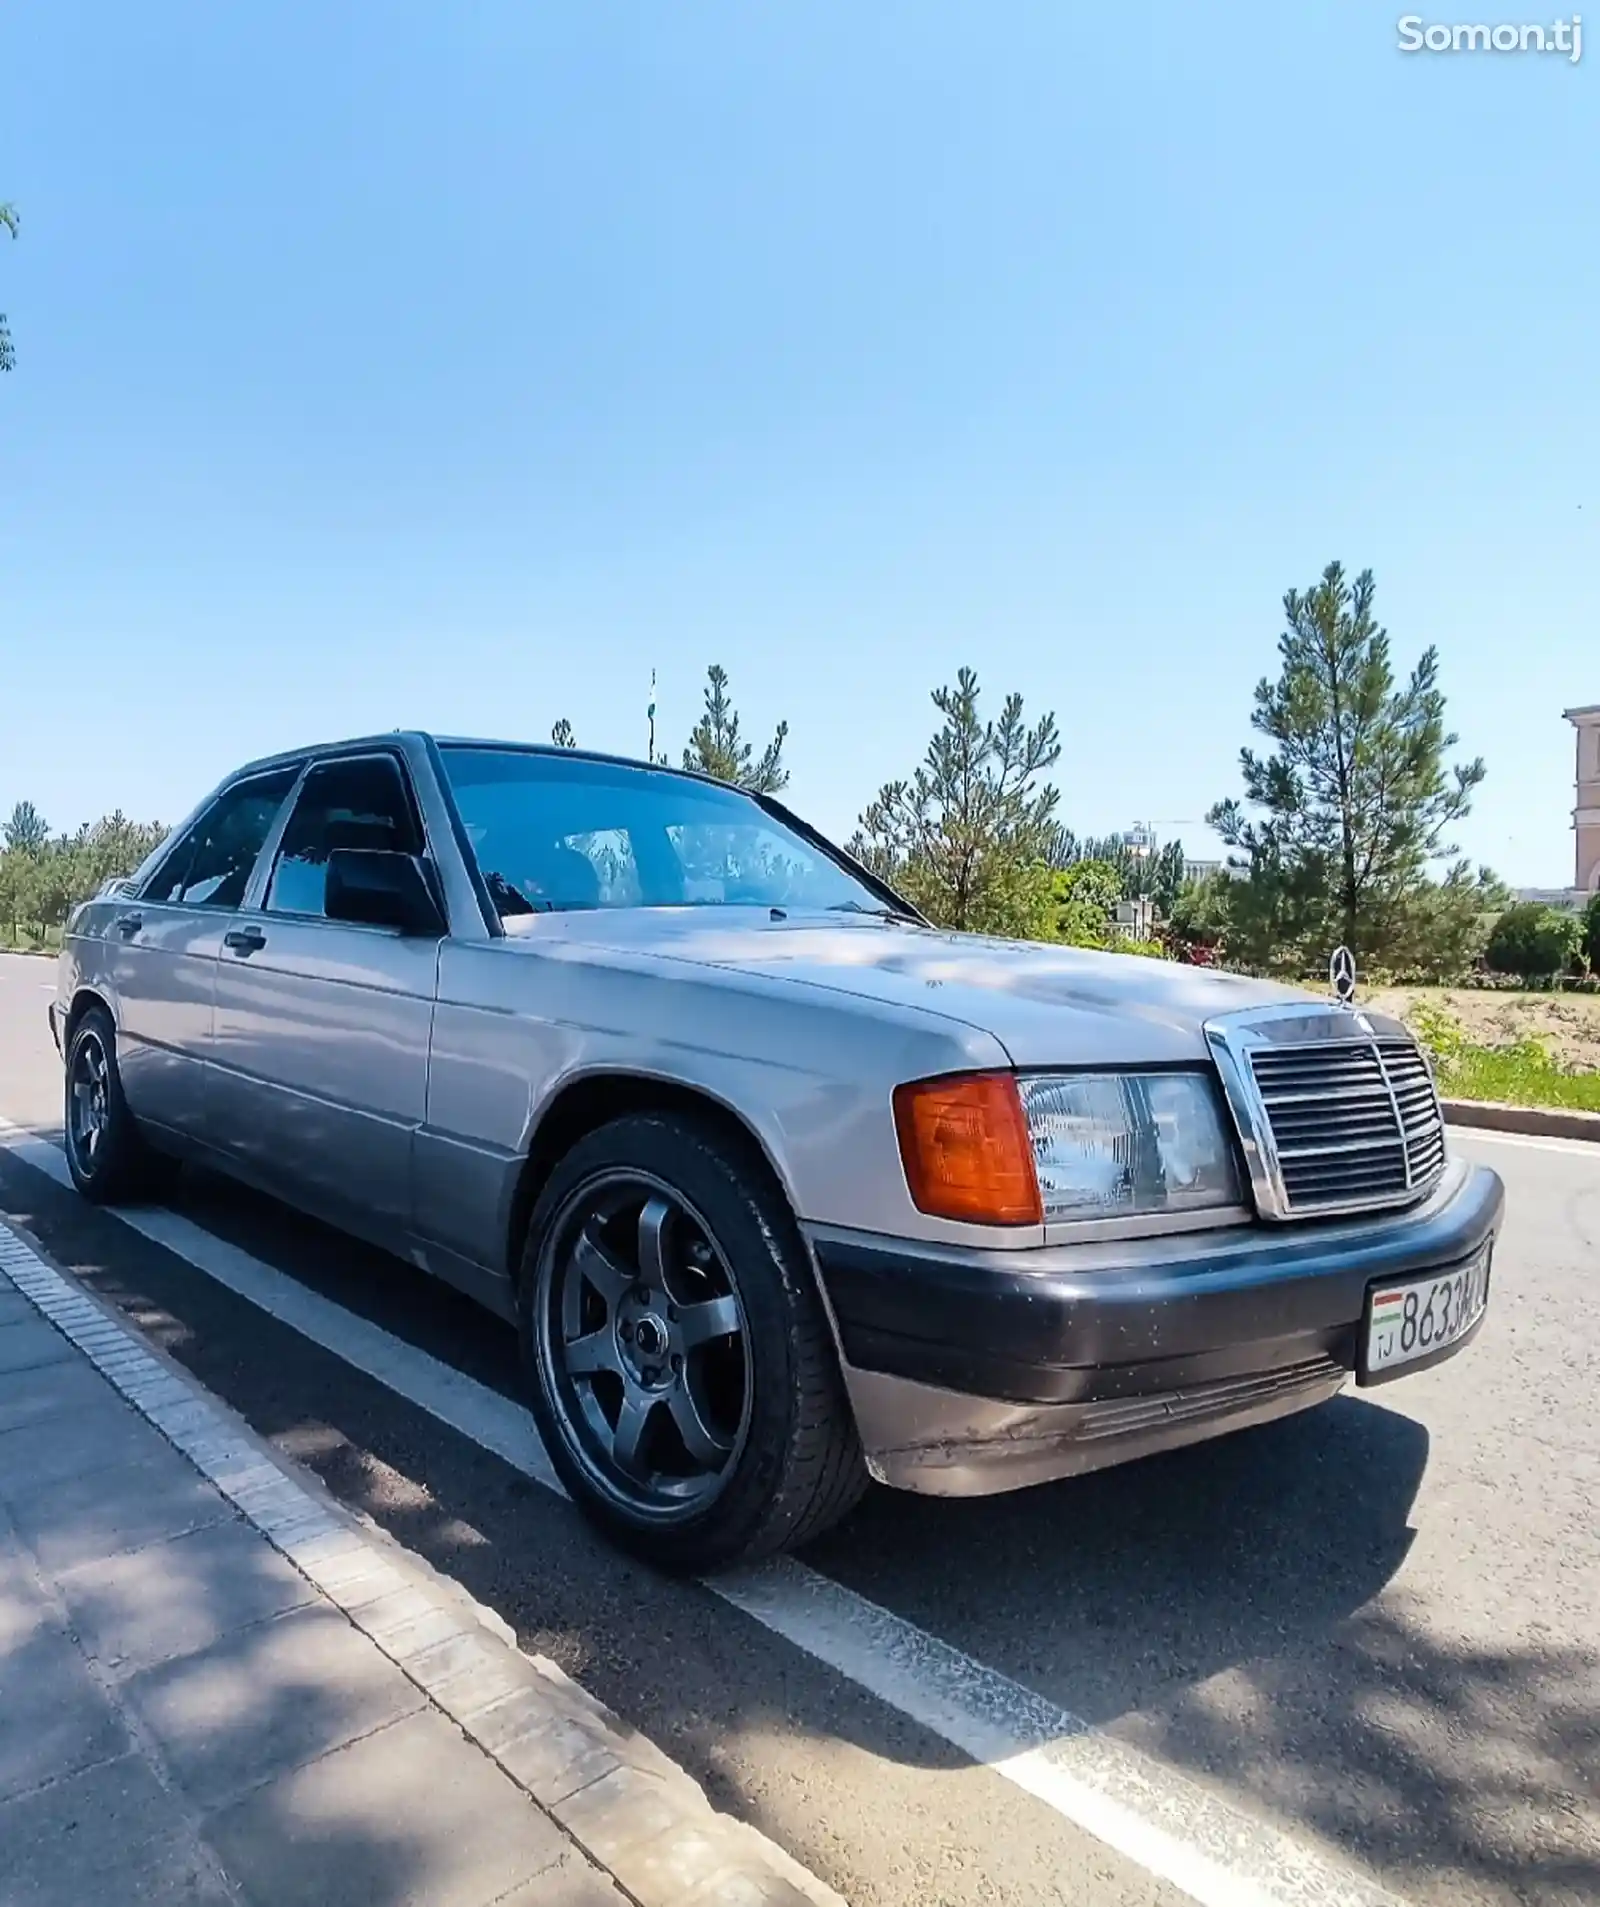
(25, 942)
(1521, 1075)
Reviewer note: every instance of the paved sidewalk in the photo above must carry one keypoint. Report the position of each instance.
(216, 1687)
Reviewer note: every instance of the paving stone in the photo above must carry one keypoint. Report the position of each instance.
(114, 1510)
(55, 1390)
(413, 1813)
(258, 1704)
(571, 1883)
(25, 1610)
(666, 1867)
(54, 1717)
(30, 1344)
(109, 1834)
(404, 1639)
(36, 1456)
(555, 1757)
(173, 1599)
(14, 1308)
(25, 1607)
(503, 1720)
(747, 1886)
(618, 1814)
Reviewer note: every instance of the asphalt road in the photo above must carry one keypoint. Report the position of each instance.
(1351, 1658)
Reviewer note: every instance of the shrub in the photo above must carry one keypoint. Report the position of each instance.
(1438, 1030)
(1533, 942)
(1591, 933)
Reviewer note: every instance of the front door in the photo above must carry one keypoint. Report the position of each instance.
(162, 951)
(319, 1076)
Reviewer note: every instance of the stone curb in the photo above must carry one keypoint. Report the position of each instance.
(1544, 1122)
(636, 1814)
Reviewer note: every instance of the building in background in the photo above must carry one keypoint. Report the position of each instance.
(1586, 812)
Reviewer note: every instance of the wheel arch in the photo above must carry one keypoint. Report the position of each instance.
(84, 998)
(592, 1100)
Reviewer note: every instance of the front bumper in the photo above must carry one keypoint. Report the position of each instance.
(58, 1018)
(974, 1370)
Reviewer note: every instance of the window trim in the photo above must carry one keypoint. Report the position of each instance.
(493, 925)
(773, 809)
(294, 770)
(260, 881)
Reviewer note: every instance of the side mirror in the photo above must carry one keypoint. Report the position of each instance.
(380, 889)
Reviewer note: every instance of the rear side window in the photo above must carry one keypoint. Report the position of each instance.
(210, 865)
(343, 804)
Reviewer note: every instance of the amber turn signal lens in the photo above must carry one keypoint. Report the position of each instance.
(966, 1150)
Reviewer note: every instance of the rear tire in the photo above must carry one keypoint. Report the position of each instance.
(109, 1158)
(681, 1367)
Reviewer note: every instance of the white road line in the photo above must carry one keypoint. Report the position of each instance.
(1574, 1148)
(1147, 1812)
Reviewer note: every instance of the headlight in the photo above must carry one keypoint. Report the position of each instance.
(1112, 1145)
(996, 1149)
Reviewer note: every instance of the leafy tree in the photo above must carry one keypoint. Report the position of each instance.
(8, 357)
(1533, 942)
(1085, 896)
(27, 830)
(1090, 883)
(1198, 922)
(717, 748)
(1354, 798)
(562, 734)
(1437, 931)
(13, 896)
(968, 838)
(1591, 933)
(1156, 877)
(42, 883)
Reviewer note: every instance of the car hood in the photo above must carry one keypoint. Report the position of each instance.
(1045, 1004)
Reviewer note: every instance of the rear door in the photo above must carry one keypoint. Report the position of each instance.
(320, 1045)
(161, 950)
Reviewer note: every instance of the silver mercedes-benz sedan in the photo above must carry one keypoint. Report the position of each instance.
(783, 1188)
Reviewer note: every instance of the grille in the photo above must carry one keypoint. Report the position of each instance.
(1353, 1122)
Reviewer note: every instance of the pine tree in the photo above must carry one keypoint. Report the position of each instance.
(716, 747)
(970, 836)
(1354, 798)
(27, 831)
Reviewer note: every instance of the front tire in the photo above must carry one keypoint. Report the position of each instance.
(682, 1371)
(107, 1155)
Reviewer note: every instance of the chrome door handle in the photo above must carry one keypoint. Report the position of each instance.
(128, 924)
(245, 940)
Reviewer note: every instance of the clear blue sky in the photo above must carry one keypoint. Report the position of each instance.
(456, 365)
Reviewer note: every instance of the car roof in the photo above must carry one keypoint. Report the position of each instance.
(282, 757)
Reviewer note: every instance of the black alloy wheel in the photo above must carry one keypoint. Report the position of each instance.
(683, 1373)
(107, 1155)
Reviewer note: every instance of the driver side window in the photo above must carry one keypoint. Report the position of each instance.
(364, 803)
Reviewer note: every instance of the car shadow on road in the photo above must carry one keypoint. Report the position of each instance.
(1231, 1609)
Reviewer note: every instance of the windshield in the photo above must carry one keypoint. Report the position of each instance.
(552, 833)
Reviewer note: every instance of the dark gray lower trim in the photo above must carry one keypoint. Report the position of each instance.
(939, 1443)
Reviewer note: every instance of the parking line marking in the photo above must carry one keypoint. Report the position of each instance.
(1574, 1148)
(1152, 1815)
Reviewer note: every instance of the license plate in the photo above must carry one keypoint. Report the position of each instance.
(1424, 1315)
